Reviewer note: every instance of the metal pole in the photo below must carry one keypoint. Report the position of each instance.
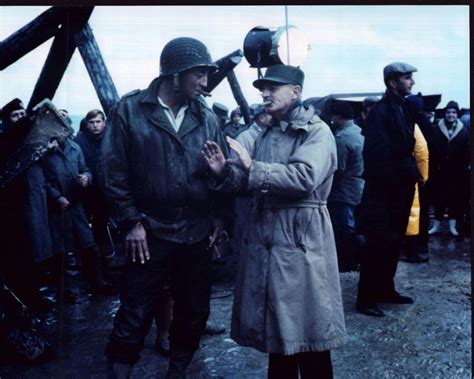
(287, 35)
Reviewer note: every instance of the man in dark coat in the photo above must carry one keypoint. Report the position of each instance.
(66, 175)
(347, 187)
(90, 141)
(156, 183)
(24, 236)
(390, 174)
(449, 169)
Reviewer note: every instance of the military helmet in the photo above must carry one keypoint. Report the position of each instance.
(183, 53)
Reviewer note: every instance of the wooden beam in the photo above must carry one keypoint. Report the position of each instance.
(238, 95)
(225, 64)
(31, 35)
(60, 55)
(101, 79)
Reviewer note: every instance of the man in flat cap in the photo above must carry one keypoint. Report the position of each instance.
(287, 296)
(390, 174)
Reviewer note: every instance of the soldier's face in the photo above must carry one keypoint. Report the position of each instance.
(17, 114)
(96, 125)
(280, 96)
(194, 81)
(236, 119)
(451, 115)
(263, 119)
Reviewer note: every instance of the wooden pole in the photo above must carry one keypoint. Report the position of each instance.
(59, 56)
(31, 35)
(101, 79)
(238, 95)
(225, 64)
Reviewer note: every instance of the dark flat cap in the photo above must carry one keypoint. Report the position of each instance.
(282, 74)
(398, 68)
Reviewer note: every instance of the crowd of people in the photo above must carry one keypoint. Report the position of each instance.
(303, 199)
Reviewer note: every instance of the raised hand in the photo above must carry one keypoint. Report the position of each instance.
(214, 158)
(245, 160)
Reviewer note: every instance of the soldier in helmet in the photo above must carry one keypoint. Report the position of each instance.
(233, 128)
(156, 184)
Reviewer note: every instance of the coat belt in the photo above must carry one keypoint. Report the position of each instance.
(305, 203)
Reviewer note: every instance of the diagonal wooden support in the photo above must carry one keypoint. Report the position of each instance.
(31, 35)
(238, 95)
(101, 79)
(60, 55)
(225, 64)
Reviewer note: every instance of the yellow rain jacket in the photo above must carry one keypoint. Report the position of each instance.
(422, 158)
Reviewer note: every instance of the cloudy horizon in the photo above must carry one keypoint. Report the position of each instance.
(349, 46)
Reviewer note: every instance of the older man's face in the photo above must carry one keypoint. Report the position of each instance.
(279, 96)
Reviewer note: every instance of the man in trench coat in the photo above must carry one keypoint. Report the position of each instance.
(287, 296)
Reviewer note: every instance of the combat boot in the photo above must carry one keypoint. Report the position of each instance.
(179, 361)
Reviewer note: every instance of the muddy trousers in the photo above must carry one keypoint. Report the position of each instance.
(378, 268)
(187, 268)
(312, 365)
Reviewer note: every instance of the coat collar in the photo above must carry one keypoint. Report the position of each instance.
(297, 118)
(158, 117)
(442, 126)
(344, 127)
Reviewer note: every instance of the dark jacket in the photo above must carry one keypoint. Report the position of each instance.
(150, 173)
(90, 147)
(390, 170)
(348, 184)
(449, 158)
(36, 214)
(231, 130)
(68, 228)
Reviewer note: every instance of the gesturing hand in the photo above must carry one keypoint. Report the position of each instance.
(245, 160)
(214, 158)
(135, 244)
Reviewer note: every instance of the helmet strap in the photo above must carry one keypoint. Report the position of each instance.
(176, 83)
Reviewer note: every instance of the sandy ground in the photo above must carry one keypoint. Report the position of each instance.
(428, 339)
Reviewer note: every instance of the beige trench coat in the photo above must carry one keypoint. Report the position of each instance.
(287, 294)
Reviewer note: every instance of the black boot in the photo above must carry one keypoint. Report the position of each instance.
(412, 247)
(93, 273)
(179, 361)
(117, 370)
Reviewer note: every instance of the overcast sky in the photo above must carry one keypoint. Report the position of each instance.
(349, 46)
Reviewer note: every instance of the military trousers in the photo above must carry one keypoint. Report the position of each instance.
(187, 270)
